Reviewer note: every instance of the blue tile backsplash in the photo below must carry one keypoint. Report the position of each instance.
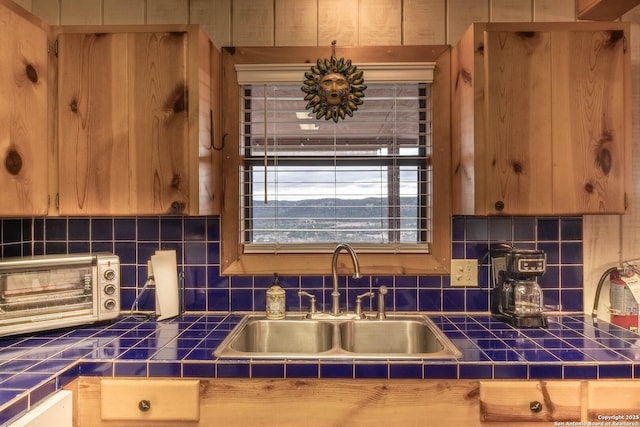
(197, 244)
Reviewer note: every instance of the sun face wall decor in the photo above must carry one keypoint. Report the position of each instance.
(334, 87)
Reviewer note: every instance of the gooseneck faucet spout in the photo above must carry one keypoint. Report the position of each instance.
(335, 294)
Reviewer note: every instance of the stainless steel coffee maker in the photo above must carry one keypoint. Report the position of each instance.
(516, 296)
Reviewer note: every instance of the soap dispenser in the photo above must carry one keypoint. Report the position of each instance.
(276, 300)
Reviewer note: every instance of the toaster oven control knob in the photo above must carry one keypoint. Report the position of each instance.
(110, 304)
(109, 289)
(109, 274)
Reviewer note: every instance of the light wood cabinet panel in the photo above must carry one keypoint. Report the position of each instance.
(530, 401)
(614, 398)
(542, 119)
(271, 402)
(24, 138)
(135, 119)
(149, 400)
(357, 402)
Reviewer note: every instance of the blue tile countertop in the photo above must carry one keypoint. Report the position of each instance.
(572, 347)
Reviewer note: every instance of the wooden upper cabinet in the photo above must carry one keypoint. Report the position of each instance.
(135, 120)
(24, 138)
(541, 119)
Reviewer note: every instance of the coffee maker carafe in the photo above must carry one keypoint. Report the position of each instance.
(516, 296)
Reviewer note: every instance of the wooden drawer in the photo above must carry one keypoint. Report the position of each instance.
(150, 400)
(535, 401)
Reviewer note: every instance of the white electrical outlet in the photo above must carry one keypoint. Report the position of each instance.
(464, 272)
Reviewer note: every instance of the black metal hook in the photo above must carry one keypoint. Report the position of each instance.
(212, 145)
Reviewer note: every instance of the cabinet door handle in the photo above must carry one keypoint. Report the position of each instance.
(144, 405)
(535, 406)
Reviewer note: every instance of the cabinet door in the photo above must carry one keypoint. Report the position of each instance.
(530, 401)
(542, 119)
(150, 400)
(24, 141)
(123, 123)
(518, 88)
(591, 149)
(614, 400)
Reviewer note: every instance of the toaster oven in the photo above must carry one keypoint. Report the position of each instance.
(57, 291)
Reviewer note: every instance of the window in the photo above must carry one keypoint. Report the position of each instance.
(363, 180)
(294, 186)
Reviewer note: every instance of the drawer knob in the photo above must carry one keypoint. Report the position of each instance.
(144, 405)
(535, 406)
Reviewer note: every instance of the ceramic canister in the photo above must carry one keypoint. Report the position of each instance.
(276, 299)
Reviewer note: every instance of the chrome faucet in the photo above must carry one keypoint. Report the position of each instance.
(335, 294)
(381, 308)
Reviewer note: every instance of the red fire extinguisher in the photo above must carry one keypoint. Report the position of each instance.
(624, 308)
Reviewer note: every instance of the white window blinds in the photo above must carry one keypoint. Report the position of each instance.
(309, 183)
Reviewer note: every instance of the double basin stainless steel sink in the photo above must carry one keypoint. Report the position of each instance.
(397, 336)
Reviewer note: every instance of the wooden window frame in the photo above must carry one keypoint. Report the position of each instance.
(234, 261)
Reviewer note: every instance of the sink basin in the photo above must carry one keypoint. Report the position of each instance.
(389, 337)
(283, 337)
(399, 336)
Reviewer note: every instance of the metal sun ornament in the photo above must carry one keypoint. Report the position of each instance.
(334, 87)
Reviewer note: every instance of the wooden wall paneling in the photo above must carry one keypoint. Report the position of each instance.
(123, 12)
(554, 10)
(46, 10)
(214, 17)
(296, 22)
(601, 250)
(253, 23)
(510, 11)
(338, 20)
(424, 22)
(461, 14)
(379, 23)
(26, 4)
(80, 12)
(631, 222)
(167, 12)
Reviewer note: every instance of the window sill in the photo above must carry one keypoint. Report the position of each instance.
(320, 264)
